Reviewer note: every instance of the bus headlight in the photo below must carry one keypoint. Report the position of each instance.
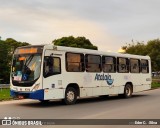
(35, 87)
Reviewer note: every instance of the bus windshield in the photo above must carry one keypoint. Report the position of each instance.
(26, 67)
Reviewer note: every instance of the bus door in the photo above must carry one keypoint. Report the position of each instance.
(52, 71)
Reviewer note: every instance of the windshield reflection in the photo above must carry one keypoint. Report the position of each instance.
(26, 67)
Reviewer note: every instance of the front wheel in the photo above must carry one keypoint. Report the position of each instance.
(70, 96)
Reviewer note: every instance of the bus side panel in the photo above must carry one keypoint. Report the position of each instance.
(117, 87)
(97, 91)
(145, 83)
(141, 88)
(53, 94)
(84, 92)
(112, 90)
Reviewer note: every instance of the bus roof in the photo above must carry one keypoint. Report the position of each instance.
(89, 51)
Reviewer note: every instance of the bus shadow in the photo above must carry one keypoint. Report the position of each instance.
(79, 101)
(37, 104)
(105, 99)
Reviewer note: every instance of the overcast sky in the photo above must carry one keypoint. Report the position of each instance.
(108, 24)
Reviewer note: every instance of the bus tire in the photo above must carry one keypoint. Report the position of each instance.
(127, 91)
(70, 96)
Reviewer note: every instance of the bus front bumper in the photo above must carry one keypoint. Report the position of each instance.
(38, 95)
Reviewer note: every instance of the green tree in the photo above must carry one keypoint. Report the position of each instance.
(4, 62)
(138, 48)
(152, 49)
(7, 48)
(13, 44)
(78, 42)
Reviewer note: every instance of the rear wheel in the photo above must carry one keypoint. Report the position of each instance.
(127, 91)
(70, 96)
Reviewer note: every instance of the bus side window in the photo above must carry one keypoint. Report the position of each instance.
(47, 66)
(52, 66)
(56, 65)
(109, 64)
(134, 65)
(93, 63)
(123, 65)
(74, 62)
(144, 66)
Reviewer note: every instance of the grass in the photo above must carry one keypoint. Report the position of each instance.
(5, 94)
(155, 84)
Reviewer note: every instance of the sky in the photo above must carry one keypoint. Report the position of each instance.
(108, 24)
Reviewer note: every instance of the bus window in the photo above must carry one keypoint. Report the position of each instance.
(123, 65)
(74, 62)
(135, 66)
(93, 63)
(52, 66)
(109, 64)
(56, 65)
(144, 66)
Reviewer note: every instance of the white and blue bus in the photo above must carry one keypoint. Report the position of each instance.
(48, 72)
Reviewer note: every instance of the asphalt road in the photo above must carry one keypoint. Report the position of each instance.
(143, 105)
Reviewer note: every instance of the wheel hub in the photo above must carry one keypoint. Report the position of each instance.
(70, 96)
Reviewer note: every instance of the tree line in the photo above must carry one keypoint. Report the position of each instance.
(8, 46)
(151, 48)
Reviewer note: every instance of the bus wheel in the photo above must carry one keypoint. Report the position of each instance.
(128, 91)
(70, 96)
